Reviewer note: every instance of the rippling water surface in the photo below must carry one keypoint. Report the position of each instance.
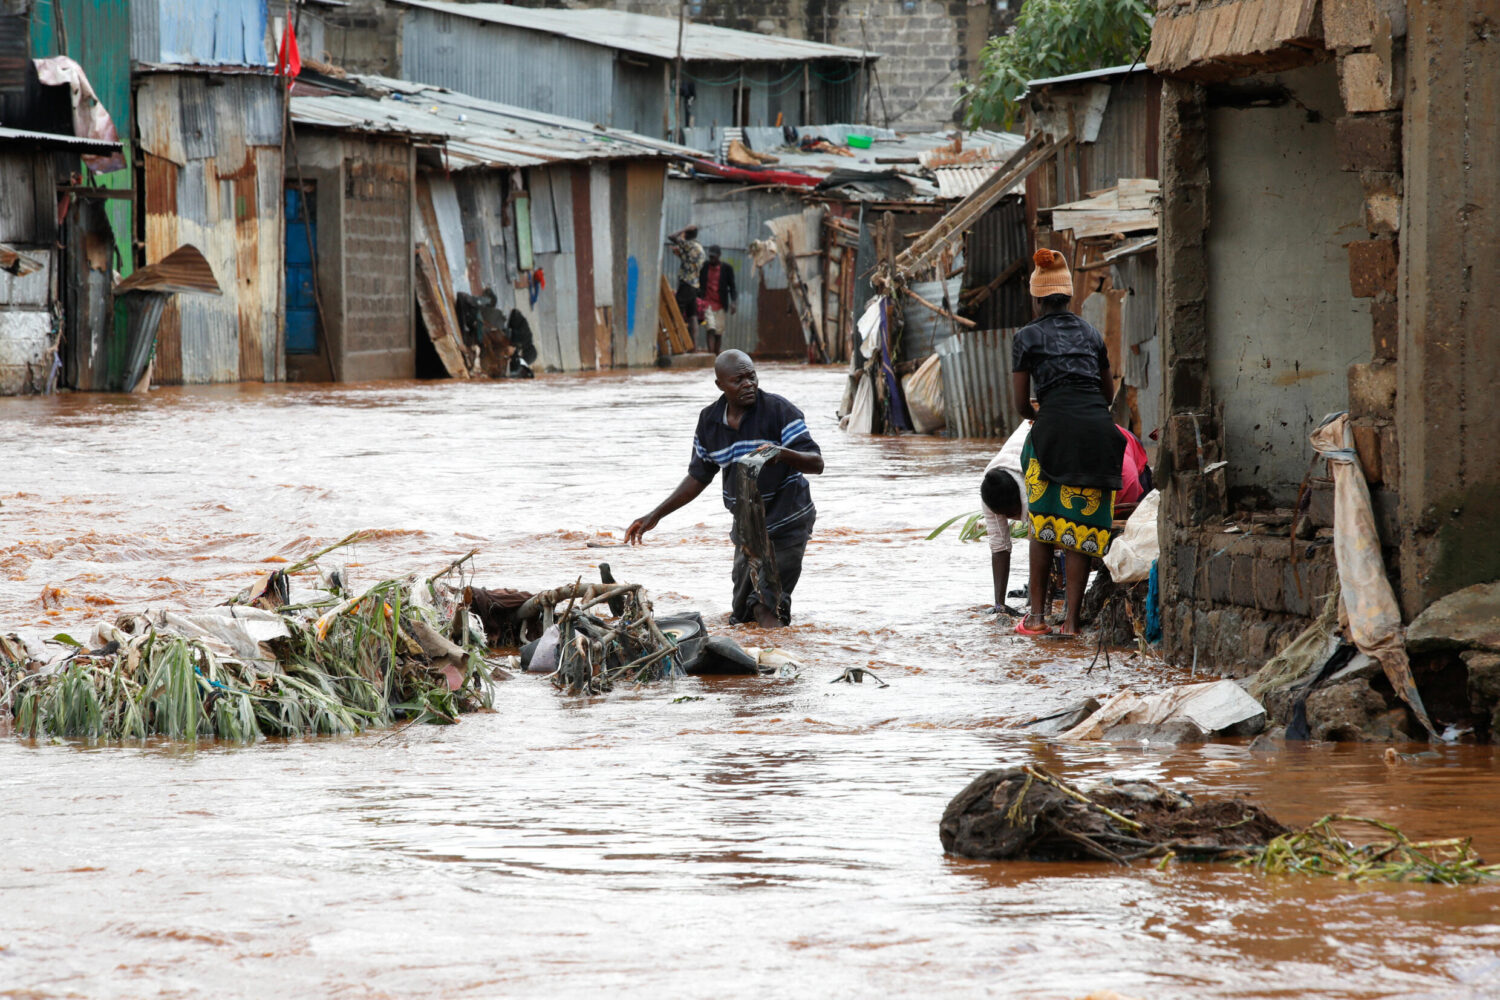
(773, 838)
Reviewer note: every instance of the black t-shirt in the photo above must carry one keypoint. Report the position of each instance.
(1057, 348)
(772, 420)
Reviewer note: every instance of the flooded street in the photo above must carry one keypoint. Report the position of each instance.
(713, 837)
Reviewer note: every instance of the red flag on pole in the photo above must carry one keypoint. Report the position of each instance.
(289, 64)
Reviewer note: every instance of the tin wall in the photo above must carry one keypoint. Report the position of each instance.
(728, 215)
(996, 242)
(1139, 345)
(26, 333)
(199, 32)
(976, 384)
(213, 178)
(538, 71)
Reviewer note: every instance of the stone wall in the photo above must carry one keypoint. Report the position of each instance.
(927, 46)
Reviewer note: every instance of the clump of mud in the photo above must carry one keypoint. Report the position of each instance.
(1026, 813)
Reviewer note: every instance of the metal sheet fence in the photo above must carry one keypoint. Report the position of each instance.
(976, 384)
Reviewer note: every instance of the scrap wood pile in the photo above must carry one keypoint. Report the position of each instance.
(1027, 813)
(275, 661)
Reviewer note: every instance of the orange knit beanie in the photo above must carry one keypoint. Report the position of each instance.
(1051, 276)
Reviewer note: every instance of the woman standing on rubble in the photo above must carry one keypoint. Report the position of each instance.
(1071, 461)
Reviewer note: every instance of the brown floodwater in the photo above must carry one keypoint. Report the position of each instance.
(763, 838)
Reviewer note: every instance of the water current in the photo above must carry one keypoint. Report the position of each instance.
(767, 838)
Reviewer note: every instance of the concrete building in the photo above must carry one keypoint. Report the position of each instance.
(1328, 242)
(611, 67)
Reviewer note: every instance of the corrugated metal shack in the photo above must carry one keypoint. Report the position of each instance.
(514, 198)
(1107, 125)
(913, 177)
(45, 267)
(620, 66)
(210, 142)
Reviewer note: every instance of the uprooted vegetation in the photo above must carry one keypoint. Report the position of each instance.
(273, 662)
(1027, 813)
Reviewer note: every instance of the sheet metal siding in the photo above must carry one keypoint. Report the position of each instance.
(1139, 343)
(225, 200)
(643, 222)
(731, 218)
(640, 98)
(24, 218)
(997, 240)
(922, 329)
(544, 72)
(25, 351)
(198, 32)
(976, 384)
(1127, 145)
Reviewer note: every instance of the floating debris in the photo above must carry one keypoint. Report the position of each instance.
(1027, 813)
(278, 662)
(1322, 850)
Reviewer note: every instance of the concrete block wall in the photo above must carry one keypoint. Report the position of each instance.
(378, 337)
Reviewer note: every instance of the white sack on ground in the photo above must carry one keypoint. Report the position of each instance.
(1133, 551)
(924, 396)
(1369, 603)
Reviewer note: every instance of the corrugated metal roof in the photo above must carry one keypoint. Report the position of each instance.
(960, 182)
(475, 132)
(183, 270)
(53, 140)
(647, 35)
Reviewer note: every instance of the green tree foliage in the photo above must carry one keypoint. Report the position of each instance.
(1053, 38)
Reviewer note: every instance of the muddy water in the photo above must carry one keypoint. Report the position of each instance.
(770, 838)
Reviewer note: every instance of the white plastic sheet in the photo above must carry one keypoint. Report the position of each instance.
(861, 418)
(1365, 591)
(1133, 551)
(1212, 706)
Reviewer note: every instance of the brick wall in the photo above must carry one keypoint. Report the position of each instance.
(377, 238)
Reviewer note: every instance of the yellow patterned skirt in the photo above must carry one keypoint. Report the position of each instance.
(1080, 519)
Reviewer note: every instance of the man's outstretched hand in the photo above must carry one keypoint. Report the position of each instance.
(639, 527)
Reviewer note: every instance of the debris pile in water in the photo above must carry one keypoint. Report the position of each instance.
(593, 654)
(1027, 813)
(273, 662)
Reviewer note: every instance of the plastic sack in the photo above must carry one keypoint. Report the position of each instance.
(1133, 551)
(924, 396)
(861, 418)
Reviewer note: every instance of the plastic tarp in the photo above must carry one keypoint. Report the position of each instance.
(861, 418)
(1369, 603)
(1133, 551)
(924, 396)
(90, 118)
(1212, 706)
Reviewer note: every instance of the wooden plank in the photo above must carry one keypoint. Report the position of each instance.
(679, 339)
(963, 215)
(442, 325)
(802, 300)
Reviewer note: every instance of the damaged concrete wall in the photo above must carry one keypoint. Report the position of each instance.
(1283, 326)
(27, 337)
(1448, 352)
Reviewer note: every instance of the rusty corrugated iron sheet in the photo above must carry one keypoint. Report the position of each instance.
(645, 35)
(183, 270)
(473, 132)
(213, 178)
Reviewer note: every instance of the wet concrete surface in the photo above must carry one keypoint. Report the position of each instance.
(774, 837)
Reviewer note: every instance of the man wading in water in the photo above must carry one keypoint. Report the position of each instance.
(749, 421)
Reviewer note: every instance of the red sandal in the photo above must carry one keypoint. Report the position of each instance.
(1021, 628)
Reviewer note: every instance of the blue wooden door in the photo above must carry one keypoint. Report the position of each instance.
(301, 304)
